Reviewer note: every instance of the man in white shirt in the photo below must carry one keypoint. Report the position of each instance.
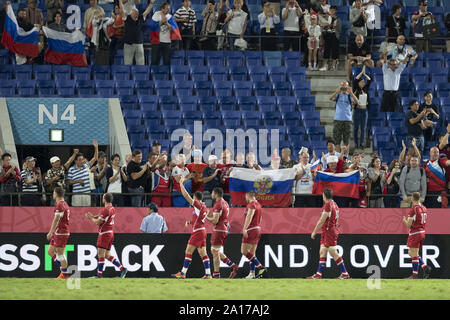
(391, 80)
(267, 20)
(237, 23)
(291, 16)
(331, 146)
(161, 46)
(304, 182)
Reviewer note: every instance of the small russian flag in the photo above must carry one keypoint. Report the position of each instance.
(155, 28)
(315, 165)
(342, 184)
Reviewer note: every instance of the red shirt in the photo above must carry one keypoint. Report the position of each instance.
(331, 209)
(62, 209)
(162, 176)
(339, 167)
(224, 168)
(15, 176)
(446, 151)
(419, 215)
(223, 209)
(197, 181)
(199, 216)
(432, 184)
(107, 215)
(256, 219)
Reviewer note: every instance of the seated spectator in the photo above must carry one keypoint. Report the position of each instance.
(186, 19)
(161, 46)
(57, 25)
(180, 170)
(153, 223)
(137, 178)
(391, 81)
(419, 20)
(286, 161)
(431, 116)
(331, 26)
(377, 179)
(358, 19)
(161, 181)
(345, 98)
(53, 7)
(34, 15)
(117, 32)
(133, 39)
(401, 51)
(331, 146)
(237, 24)
(267, 21)
(314, 34)
(31, 178)
(291, 16)
(251, 161)
(361, 85)
(116, 178)
(9, 177)
(209, 27)
(358, 55)
(436, 169)
(395, 24)
(304, 182)
(412, 179)
(196, 168)
(414, 122)
(212, 178)
(391, 186)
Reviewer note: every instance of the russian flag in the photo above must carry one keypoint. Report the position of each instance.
(342, 184)
(315, 165)
(65, 48)
(24, 43)
(155, 28)
(272, 187)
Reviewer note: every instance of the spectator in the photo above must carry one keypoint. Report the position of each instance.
(391, 80)
(304, 182)
(126, 200)
(117, 33)
(134, 37)
(412, 179)
(251, 162)
(209, 26)
(361, 87)
(401, 51)
(152, 160)
(392, 185)
(31, 178)
(116, 178)
(57, 25)
(100, 175)
(34, 15)
(153, 223)
(267, 21)
(435, 170)
(291, 16)
(186, 19)
(431, 116)
(137, 175)
(363, 181)
(196, 168)
(161, 46)
(419, 20)
(187, 147)
(225, 165)
(377, 179)
(415, 124)
(344, 98)
(161, 181)
(9, 177)
(156, 147)
(395, 24)
(444, 146)
(335, 164)
(24, 23)
(53, 7)
(100, 38)
(180, 170)
(331, 25)
(358, 55)
(275, 162)
(286, 161)
(331, 146)
(222, 13)
(237, 24)
(212, 178)
(91, 13)
(358, 18)
(240, 160)
(314, 33)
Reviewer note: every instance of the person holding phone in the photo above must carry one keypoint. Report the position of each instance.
(431, 116)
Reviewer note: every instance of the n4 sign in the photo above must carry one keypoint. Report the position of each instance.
(67, 115)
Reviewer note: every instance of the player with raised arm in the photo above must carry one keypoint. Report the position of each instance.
(219, 218)
(198, 236)
(59, 232)
(105, 222)
(251, 234)
(328, 222)
(417, 218)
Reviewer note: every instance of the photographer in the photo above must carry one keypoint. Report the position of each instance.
(209, 26)
(358, 18)
(419, 20)
(291, 16)
(431, 116)
(267, 21)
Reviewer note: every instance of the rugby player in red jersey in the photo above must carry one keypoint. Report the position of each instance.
(105, 222)
(219, 218)
(251, 234)
(328, 222)
(59, 232)
(417, 218)
(198, 236)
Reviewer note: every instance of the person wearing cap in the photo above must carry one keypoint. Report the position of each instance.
(196, 168)
(153, 223)
(31, 178)
(267, 21)
(180, 170)
(212, 178)
(419, 20)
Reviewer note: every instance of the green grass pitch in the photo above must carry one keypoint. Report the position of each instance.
(223, 289)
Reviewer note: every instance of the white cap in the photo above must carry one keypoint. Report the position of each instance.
(54, 159)
(212, 158)
(332, 159)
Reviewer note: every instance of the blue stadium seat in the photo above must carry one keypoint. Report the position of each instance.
(184, 88)
(262, 88)
(296, 74)
(191, 116)
(132, 114)
(160, 72)
(227, 103)
(443, 89)
(286, 104)
(272, 58)
(266, 104)
(85, 86)
(4, 57)
(235, 60)
(144, 87)
(195, 58)
(171, 117)
(168, 103)
(129, 102)
(316, 133)
(214, 58)
(180, 72)
(203, 88)
(65, 87)
(296, 132)
(140, 72)
(439, 77)
(219, 73)
(62, 72)
(406, 89)
(282, 88)
(292, 60)
(101, 72)
(125, 87)
(188, 103)
(231, 118)
(23, 72)
(292, 119)
(120, 72)
(247, 103)
(423, 86)
(45, 87)
(148, 102)
(199, 73)
(277, 74)
(153, 117)
(242, 88)
(8, 88)
(250, 118)
(6, 72)
(253, 58)
(395, 119)
(223, 88)
(257, 73)
(164, 87)
(42, 72)
(238, 73)
(207, 103)
(106, 87)
(133, 121)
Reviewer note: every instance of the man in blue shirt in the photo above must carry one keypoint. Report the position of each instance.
(153, 223)
(345, 98)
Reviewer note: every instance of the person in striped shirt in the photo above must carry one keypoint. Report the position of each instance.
(31, 183)
(185, 16)
(78, 178)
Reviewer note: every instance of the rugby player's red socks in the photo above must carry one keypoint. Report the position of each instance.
(415, 267)
(115, 262)
(228, 262)
(322, 262)
(205, 260)
(341, 265)
(421, 263)
(56, 261)
(101, 265)
(252, 258)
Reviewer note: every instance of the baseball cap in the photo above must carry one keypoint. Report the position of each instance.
(212, 158)
(156, 143)
(30, 158)
(332, 159)
(54, 159)
(197, 153)
(153, 206)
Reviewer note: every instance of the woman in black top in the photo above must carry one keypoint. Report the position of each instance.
(395, 24)
(431, 115)
(377, 177)
(392, 187)
(361, 85)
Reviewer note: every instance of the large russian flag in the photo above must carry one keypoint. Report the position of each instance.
(272, 187)
(342, 184)
(65, 48)
(155, 28)
(17, 40)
